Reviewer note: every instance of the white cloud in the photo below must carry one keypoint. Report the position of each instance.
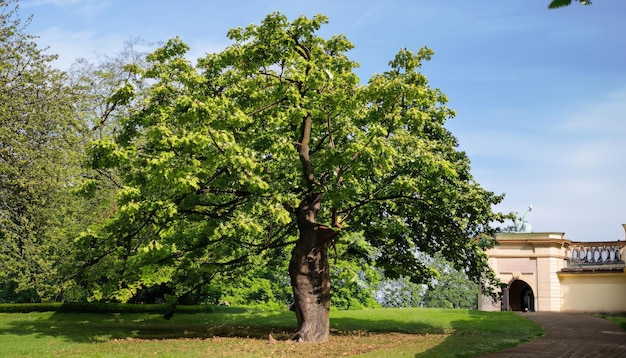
(572, 172)
(73, 45)
(606, 117)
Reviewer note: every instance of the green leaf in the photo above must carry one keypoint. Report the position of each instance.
(555, 4)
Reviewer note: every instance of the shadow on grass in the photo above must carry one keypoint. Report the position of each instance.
(496, 333)
(345, 325)
(102, 327)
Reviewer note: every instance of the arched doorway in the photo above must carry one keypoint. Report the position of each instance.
(521, 297)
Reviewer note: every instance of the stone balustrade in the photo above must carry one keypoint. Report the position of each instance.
(595, 256)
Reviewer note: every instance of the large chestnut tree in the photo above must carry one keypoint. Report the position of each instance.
(275, 142)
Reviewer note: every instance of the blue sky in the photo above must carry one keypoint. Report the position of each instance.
(540, 94)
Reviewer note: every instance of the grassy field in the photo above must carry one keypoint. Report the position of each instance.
(241, 332)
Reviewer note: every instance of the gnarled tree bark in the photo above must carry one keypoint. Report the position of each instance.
(310, 274)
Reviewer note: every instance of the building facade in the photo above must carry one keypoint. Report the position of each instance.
(547, 272)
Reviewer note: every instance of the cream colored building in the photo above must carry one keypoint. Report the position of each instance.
(547, 272)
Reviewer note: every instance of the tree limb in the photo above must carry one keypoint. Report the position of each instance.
(266, 107)
(303, 150)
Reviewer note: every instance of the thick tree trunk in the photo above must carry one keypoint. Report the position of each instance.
(310, 274)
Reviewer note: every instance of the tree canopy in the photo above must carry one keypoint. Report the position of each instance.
(274, 143)
(40, 153)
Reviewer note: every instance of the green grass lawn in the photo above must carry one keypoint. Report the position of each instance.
(241, 332)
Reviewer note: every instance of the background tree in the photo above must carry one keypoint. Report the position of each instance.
(40, 141)
(450, 288)
(400, 292)
(104, 83)
(265, 141)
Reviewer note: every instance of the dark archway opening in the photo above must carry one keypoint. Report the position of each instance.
(521, 297)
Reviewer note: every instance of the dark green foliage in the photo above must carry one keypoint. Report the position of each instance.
(555, 4)
(353, 280)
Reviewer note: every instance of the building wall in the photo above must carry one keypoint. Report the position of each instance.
(548, 286)
(485, 303)
(593, 292)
